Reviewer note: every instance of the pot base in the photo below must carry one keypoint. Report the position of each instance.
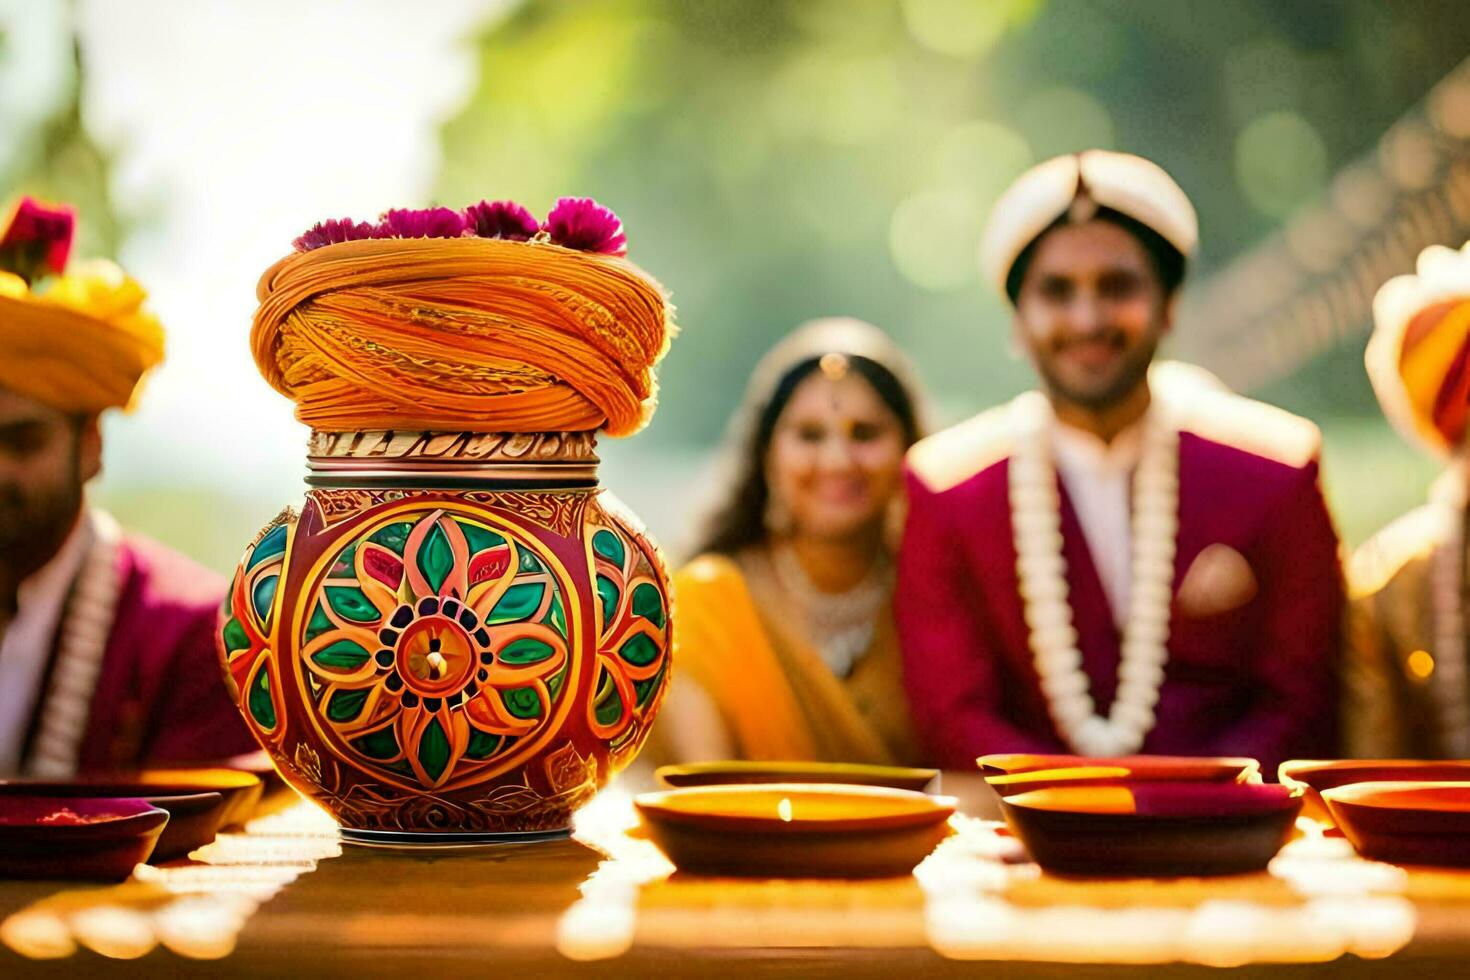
(424, 840)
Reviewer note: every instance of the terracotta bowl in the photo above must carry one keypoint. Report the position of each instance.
(849, 774)
(257, 763)
(1010, 784)
(241, 790)
(1315, 775)
(76, 837)
(1405, 822)
(193, 816)
(1153, 768)
(1204, 828)
(796, 830)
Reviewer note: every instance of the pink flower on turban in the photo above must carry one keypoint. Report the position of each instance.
(583, 224)
(37, 239)
(501, 219)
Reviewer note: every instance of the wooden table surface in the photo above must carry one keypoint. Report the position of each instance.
(285, 898)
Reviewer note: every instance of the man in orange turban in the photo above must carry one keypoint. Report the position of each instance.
(1406, 694)
(106, 640)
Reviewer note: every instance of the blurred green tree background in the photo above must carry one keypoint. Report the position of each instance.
(776, 160)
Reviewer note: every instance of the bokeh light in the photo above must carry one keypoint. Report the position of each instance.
(982, 157)
(933, 237)
(1064, 120)
(841, 99)
(961, 28)
(1408, 155)
(1280, 162)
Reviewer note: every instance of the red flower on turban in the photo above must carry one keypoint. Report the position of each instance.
(37, 239)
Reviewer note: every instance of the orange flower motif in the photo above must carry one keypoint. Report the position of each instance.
(435, 644)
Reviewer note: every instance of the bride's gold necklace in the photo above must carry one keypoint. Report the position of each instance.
(839, 624)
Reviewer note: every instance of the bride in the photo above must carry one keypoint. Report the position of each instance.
(785, 645)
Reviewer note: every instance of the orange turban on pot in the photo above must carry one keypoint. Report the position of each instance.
(1419, 355)
(78, 339)
(428, 322)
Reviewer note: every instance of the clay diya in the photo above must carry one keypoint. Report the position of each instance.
(1316, 775)
(76, 837)
(1152, 768)
(193, 816)
(241, 790)
(1147, 829)
(1405, 822)
(795, 830)
(848, 774)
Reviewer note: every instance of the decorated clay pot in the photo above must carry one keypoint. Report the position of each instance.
(459, 637)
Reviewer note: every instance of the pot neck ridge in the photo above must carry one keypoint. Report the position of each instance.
(395, 458)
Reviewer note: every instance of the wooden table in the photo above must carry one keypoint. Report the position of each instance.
(285, 899)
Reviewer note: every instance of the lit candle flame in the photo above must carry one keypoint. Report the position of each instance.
(437, 665)
(784, 809)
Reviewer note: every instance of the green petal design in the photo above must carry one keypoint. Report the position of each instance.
(557, 616)
(234, 636)
(525, 651)
(381, 744)
(608, 707)
(518, 602)
(482, 744)
(342, 655)
(555, 681)
(607, 591)
(436, 557)
(529, 562)
(318, 624)
(478, 538)
(523, 702)
(649, 604)
(346, 705)
(274, 543)
(349, 602)
(263, 595)
(609, 546)
(644, 690)
(394, 537)
(640, 651)
(262, 709)
(434, 750)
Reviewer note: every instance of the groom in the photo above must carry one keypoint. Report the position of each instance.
(1130, 559)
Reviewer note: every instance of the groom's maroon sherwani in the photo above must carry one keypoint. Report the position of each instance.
(1256, 680)
(160, 695)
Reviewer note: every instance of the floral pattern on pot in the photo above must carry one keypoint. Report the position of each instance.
(434, 645)
(245, 631)
(633, 632)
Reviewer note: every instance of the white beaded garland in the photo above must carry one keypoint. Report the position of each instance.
(84, 632)
(1041, 570)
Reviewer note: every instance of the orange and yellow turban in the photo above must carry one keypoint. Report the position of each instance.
(1419, 355)
(424, 323)
(76, 339)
